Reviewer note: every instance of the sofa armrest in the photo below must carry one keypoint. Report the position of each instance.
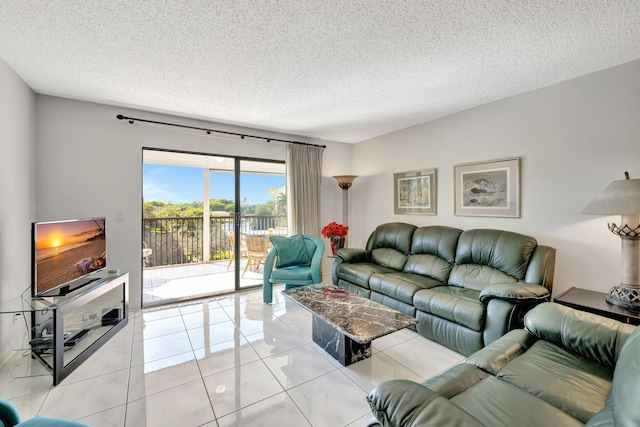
(316, 262)
(515, 292)
(499, 353)
(349, 255)
(353, 255)
(542, 267)
(455, 380)
(408, 404)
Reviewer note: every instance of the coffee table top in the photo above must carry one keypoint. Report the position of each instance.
(358, 318)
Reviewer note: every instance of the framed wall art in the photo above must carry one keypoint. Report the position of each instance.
(490, 188)
(414, 192)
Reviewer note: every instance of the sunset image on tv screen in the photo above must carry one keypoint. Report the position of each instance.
(67, 250)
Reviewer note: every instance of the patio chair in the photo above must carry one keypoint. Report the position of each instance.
(294, 261)
(257, 249)
(243, 246)
(146, 253)
(10, 417)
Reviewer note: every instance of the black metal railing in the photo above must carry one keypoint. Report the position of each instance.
(180, 240)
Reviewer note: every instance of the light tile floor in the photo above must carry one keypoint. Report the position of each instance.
(162, 285)
(225, 361)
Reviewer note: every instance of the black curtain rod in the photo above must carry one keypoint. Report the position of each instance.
(241, 135)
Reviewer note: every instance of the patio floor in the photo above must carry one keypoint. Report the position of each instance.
(162, 285)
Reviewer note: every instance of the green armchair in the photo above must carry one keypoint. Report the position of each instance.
(10, 417)
(294, 261)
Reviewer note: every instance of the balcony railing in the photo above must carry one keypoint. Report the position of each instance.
(181, 240)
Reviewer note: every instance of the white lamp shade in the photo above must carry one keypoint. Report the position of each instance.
(619, 198)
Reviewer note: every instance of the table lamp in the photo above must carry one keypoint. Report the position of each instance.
(623, 198)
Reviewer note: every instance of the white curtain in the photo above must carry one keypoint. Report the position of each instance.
(304, 176)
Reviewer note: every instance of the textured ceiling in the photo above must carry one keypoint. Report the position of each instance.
(332, 69)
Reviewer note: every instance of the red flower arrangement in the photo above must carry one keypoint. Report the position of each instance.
(334, 231)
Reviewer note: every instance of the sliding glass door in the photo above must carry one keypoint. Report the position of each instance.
(196, 246)
(262, 212)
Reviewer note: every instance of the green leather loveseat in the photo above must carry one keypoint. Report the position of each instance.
(466, 288)
(567, 368)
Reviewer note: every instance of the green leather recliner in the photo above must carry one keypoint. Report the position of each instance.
(466, 288)
(567, 368)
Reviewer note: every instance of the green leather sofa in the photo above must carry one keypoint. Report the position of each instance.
(567, 368)
(466, 288)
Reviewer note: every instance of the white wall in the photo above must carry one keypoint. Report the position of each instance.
(90, 164)
(573, 139)
(17, 181)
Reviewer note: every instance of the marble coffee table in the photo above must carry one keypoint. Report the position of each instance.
(344, 324)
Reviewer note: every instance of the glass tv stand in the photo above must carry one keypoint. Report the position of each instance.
(61, 332)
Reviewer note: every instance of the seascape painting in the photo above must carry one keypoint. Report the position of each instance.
(486, 189)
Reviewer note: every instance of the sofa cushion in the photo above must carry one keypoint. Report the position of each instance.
(390, 244)
(393, 304)
(497, 403)
(436, 240)
(388, 257)
(429, 266)
(476, 276)
(459, 305)
(433, 251)
(488, 256)
(394, 235)
(448, 333)
(360, 273)
(557, 376)
(401, 286)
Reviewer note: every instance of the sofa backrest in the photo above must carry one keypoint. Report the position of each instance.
(433, 252)
(390, 244)
(485, 257)
(595, 337)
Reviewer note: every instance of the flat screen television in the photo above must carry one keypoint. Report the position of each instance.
(66, 254)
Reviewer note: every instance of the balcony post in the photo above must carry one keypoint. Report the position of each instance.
(206, 220)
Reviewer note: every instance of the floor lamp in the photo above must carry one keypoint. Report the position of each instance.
(623, 198)
(344, 182)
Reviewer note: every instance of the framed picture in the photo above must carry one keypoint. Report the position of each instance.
(490, 188)
(414, 192)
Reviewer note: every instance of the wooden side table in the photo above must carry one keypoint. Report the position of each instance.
(594, 302)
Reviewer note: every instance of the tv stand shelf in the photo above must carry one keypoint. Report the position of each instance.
(63, 331)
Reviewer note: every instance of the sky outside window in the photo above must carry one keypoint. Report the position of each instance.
(179, 184)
